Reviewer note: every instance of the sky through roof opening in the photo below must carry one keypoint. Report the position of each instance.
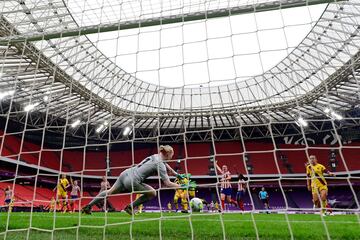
(199, 53)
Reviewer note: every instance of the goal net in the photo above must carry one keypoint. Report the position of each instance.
(259, 101)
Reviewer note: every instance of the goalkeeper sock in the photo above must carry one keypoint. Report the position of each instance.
(142, 199)
(176, 205)
(98, 198)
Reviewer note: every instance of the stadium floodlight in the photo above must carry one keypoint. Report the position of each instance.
(26, 89)
(336, 115)
(30, 107)
(102, 127)
(6, 94)
(302, 122)
(332, 114)
(75, 123)
(127, 131)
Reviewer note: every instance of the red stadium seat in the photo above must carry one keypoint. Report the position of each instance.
(194, 157)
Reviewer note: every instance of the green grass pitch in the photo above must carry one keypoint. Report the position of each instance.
(176, 226)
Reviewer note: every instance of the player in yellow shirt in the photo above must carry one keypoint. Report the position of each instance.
(11, 204)
(62, 195)
(192, 187)
(169, 206)
(316, 182)
(217, 206)
(51, 206)
(181, 179)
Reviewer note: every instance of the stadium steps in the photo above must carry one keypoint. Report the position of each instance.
(256, 200)
(44, 193)
(230, 153)
(354, 204)
(20, 196)
(290, 201)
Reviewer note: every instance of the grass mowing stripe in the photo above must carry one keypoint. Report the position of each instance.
(193, 218)
(205, 226)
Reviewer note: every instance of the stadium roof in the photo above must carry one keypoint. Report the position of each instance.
(80, 82)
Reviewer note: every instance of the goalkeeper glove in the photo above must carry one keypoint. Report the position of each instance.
(184, 186)
(180, 176)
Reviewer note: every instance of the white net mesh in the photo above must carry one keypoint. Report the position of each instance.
(247, 93)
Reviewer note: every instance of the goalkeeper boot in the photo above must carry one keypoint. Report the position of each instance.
(184, 211)
(128, 210)
(86, 209)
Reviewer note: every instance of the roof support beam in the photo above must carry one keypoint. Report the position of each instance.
(116, 26)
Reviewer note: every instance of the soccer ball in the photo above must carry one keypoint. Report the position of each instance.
(196, 204)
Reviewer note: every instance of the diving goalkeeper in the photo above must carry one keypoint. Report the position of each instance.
(132, 180)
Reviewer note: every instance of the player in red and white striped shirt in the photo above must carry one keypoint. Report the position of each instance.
(241, 191)
(226, 188)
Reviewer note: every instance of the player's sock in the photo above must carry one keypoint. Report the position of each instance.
(176, 206)
(323, 205)
(233, 202)
(185, 206)
(65, 207)
(241, 205)
(140, 208)
(86, 209)
(329, 208)
(223, 205)
(129, 210)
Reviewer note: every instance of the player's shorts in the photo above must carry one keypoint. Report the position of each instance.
(265, 201)
(191, 193)
(74, 197)
(178, 194)
(240, 195)
(317, 189)
(226, 191)
(7, 201)
(62, 194)
(128, 182)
